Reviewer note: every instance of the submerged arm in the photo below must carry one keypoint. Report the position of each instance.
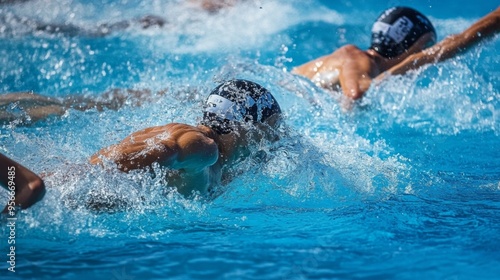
(484, 28)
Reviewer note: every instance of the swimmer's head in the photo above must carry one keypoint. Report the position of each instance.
(397, 29)
(238, 101)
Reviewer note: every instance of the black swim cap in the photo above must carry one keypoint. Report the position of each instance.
(397, 29)
(238, 101)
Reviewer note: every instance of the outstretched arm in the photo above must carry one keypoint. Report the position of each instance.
(452, 45)
(27, 186)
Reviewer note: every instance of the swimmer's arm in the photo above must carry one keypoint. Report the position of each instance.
(29, 187)
(311, 68)
(129, 154)
(354, 83)
(484, 28)
(190, 150)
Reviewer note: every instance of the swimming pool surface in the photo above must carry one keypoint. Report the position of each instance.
(406, 185)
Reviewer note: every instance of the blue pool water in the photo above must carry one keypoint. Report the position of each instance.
(406, 185)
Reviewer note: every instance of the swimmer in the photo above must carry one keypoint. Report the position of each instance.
(237, 115)
(28, 107)
(401, 38)
(105, 29)
(68, 29)
(452, 45)
(29, 188)
(214, 6)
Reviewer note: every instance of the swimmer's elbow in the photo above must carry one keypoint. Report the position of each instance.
(103, 155)
(122, 165)
(37, 189)
(95, 159)
(37, 185)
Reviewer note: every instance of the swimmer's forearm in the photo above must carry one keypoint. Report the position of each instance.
(412, 62)
(444, 50)
(29, 187)
(485, 28)
(129, 158)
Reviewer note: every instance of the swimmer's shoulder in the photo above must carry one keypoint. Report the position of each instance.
(181, 130)
(195, 145)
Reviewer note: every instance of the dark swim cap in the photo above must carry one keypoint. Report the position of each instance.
(238, 101)
(397, 29)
